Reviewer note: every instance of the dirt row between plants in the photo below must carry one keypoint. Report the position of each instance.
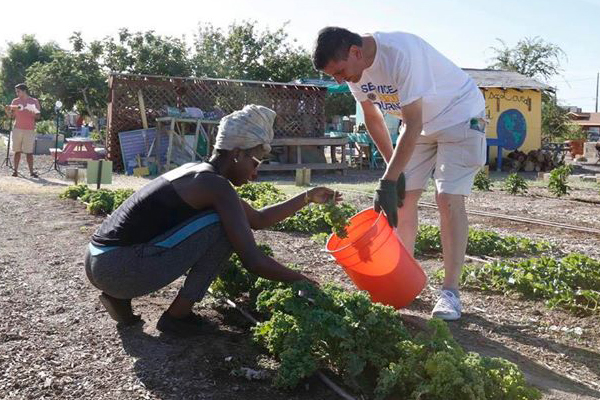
(56, 342)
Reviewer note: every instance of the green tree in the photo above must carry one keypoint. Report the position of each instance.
(14, 63)
(556, 124)
(74, 77)
(339, 104)
(146, 53)
(531, 57)
(243, 52)
(20, 56)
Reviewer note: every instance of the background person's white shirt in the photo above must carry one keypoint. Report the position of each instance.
(405, 69)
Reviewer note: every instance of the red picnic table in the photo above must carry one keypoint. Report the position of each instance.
(77, 148)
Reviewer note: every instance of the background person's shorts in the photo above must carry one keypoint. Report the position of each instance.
(454, 155)
(22, 141)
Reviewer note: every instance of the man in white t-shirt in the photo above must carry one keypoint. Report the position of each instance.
(442, 133)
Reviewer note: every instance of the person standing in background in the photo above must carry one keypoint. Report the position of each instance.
(25, 110)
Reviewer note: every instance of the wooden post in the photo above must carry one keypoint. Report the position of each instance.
(298, 155)
(343, 158)
(157, 139)
(99, 174)
(170, 148)
(142, 109)
(196, 135)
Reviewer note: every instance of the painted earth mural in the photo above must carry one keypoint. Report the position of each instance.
(511, 129)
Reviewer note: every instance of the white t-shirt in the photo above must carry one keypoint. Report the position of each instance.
(405, 69)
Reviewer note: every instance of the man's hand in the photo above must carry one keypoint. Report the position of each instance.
(401, 189)
(386, 199)
(322, 195)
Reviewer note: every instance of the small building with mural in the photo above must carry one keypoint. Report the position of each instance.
(513, 107)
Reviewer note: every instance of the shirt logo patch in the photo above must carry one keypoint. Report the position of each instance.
(383, 96)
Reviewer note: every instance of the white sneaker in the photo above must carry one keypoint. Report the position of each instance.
(448, 306)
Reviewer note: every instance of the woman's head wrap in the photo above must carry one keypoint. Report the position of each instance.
(247, 128)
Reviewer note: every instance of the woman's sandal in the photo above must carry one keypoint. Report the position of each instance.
(119, 309)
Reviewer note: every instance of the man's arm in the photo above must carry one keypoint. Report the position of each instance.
(387, 193)
(412, 117)
(377, 129)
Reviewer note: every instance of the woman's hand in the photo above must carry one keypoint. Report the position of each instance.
(322, 195)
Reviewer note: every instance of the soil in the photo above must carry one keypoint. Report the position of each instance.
(57, 342)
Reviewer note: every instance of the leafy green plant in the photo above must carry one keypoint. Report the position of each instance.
(572, 283)
(367, 344)
(47, 127)
(98, 135)
(515, 184)
(310, 219)
(103, 201)
(557, 184)
(120, 195)
(490, 243)
(320, 238)
(574, 132)
(337, 217)
(74, 192)
(480, 242)
(482, 181)
(235, 279)
(260, 194)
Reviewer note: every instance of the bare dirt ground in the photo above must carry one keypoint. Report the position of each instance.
(57, 342)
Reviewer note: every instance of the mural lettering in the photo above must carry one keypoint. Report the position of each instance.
(505, 96)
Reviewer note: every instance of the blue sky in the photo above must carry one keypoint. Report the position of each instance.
(463, 30)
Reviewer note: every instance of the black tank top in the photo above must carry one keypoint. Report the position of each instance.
(151, 211)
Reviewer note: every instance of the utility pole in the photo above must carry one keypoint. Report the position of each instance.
(597, 82)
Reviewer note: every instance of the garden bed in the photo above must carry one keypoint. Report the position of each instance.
(56, 342)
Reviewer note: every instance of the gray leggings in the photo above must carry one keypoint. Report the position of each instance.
(133, 271)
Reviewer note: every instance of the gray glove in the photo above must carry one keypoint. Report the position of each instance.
(386, 199)
(401, 189)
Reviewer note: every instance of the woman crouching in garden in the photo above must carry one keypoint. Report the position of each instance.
(190, 220)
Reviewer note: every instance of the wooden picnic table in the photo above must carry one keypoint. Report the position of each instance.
(77, 149)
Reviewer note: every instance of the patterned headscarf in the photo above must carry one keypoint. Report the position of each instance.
(247, 128)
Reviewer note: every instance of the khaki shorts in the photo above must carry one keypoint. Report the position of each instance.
(453, 155)
(22, 141)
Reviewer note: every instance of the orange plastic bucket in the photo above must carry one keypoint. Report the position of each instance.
(376, 260)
